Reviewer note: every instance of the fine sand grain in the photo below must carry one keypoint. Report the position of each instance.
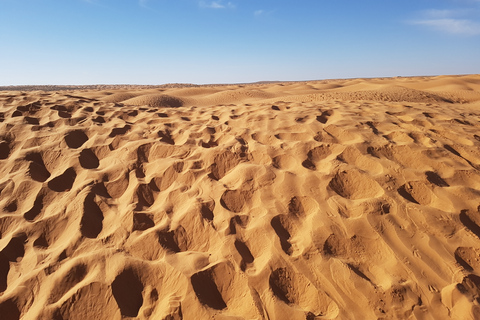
(338, 199)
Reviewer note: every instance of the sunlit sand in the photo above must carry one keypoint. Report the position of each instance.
(338, 199)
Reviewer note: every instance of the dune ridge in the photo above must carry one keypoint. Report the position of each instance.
(339, 199)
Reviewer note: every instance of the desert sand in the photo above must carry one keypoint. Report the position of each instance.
(338, 199)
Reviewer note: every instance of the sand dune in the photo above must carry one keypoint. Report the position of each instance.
(338, 199)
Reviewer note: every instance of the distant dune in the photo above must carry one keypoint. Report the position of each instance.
(334, 199)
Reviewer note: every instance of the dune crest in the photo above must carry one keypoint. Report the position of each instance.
(335, 199)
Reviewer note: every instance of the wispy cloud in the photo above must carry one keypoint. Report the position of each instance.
(452, 26)
(443, 13)
(454, 22)
(217, 4)
(261, 13)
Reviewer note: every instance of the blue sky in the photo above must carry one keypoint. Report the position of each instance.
(231, 41)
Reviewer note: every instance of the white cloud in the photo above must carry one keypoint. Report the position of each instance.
(455, 22)
(445, 13)
(452, 26)
(260, 13)
(217, 5)
(438, 14)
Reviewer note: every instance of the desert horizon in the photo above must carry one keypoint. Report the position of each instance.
(330, 199)
(106, 86)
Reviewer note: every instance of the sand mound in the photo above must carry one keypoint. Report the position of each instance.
(118, 97)
(341, 199)
(387, 94)
(155, 100)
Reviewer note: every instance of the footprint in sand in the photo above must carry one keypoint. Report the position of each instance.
(4, 150)
(88, 159)
(63, 182)
(36, 168)
(467, 257)
(316, 155)
(75, 139)
(296, 290)
(245, 253)
(206, 289)
(283, 228)
(173, 240)
(92, 219)
(127, 289)
(353, 185)
(417, 192)
(323, 118)
(14, 251)
(234, 200)
(142, 221)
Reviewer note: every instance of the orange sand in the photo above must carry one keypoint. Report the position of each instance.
(339, 199)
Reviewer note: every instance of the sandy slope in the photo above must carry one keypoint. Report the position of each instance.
(340, 199)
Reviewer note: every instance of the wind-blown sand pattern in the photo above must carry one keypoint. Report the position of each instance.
(340, 199)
